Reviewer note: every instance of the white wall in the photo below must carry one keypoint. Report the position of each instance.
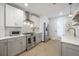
(2, 30)
(57, 26)
(52, 28)
(10, 29)
(36, 21)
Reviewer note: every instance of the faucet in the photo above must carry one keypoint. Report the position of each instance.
(73, 30)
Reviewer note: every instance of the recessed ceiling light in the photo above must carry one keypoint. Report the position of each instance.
(26, 4)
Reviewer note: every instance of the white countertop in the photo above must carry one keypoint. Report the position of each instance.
(70, 40)
(8, 37)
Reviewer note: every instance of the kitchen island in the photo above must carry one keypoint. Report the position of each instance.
(69, 46)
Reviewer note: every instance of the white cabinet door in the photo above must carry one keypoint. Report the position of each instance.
(14, 16)
(23, 45)
(3, 47)
(14, 46)
(38, 37)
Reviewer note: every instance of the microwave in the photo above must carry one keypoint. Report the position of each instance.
(14, 33)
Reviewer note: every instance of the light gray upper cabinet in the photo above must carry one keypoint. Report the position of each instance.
(3, 47)
(14, 16)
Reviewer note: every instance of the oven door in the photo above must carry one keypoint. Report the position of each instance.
(29, 42)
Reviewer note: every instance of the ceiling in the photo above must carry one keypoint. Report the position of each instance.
(47, 9)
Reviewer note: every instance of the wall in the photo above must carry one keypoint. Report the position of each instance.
(57, 26)
(10, 29)
(2, 29)
(52, 28)
(36, 21)
(26, 29)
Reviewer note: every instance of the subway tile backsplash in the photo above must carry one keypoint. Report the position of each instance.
(8, 30)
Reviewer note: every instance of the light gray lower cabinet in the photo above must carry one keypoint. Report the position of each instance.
(3, 47)
(70, 50)
(38, 37)
(23, 43)
(14, 46)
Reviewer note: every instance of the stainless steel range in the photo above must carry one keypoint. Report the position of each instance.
(28, 41)
(34, 39)
(31, 41)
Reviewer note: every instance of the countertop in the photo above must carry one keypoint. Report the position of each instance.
(8, 37)
(71, 40)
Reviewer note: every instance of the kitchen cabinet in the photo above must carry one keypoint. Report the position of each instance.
(23, 43)
(14, 46)
(70, 50)
(38, 37)
(14, 16)
(3, 47)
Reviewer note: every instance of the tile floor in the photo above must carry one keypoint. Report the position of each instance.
(50, 48)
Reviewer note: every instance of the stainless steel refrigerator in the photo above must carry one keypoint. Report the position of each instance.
(46, 32)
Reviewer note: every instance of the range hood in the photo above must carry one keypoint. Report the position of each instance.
(28, 17)
(27, 20)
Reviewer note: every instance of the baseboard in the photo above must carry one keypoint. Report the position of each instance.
(20, 53)
(28, 49)
(33, 46)
(47, 40)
